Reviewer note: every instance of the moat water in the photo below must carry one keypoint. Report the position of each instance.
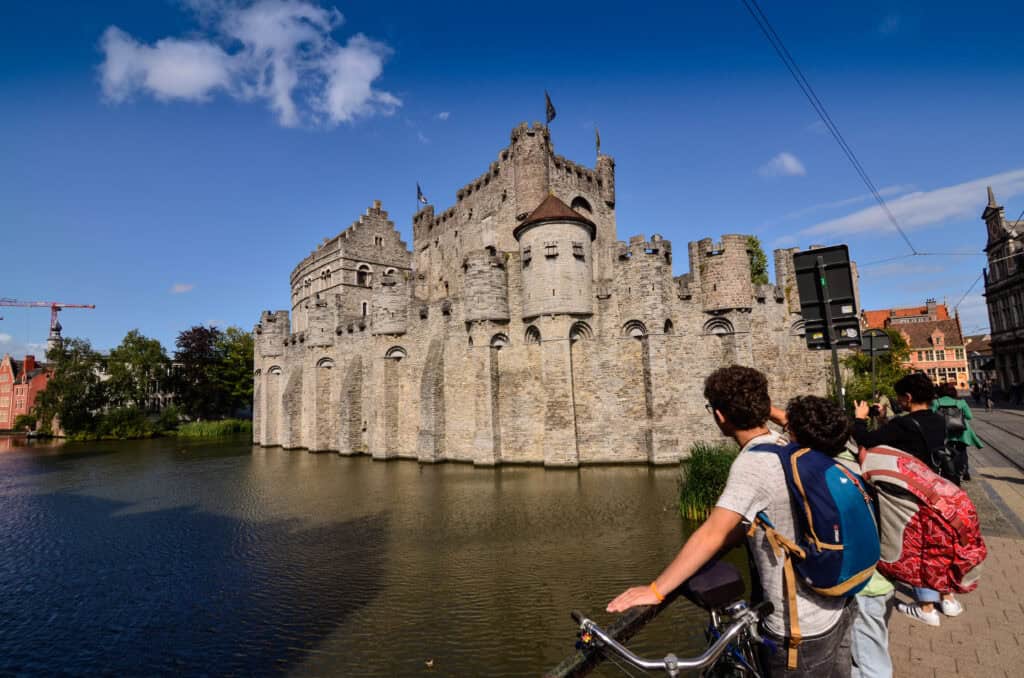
(180, 557)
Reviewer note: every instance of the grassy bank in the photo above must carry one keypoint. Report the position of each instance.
(214, 429)
(703, 477)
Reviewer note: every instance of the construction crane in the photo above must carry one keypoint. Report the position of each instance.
(55, 308)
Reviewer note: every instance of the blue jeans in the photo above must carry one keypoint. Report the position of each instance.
(927, 595)
(869, 638)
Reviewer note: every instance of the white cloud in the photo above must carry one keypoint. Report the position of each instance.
(181, 288)
(422, 137)
(5, 338)
(886, 192)
(925, 208)
(443, 115)
(890, 24)
(783, 165)
(278, 51)
(973, 314)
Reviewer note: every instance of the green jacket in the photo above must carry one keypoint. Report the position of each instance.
(968, 437)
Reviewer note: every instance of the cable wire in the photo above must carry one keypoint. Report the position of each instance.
(805, 86)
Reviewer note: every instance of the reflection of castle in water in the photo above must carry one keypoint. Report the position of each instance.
(519, 329)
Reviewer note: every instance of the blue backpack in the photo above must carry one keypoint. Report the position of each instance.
(837, 546)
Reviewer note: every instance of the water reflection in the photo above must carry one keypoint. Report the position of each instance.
(165, 557)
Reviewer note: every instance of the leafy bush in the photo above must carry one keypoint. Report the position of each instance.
(24, 422)
(214, 429)
(168, 419)
(126, 422)
(703, 477)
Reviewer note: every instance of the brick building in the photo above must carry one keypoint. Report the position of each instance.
(980, 360)
(520, 329)
(936, 341)
(1004, 293)
(20, 382)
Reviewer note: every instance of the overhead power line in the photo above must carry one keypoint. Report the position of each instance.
(805, 86)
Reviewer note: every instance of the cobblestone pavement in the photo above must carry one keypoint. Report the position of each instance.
(988, 639)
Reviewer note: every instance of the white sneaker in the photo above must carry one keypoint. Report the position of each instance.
(952, 608)
(915, 612)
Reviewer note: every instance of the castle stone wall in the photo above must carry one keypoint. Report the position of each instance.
(464, 352)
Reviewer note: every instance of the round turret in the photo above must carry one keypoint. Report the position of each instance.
(724, 272)
(390, 313)
(555, 246)
(271, 332)
(486, 286)
(531, 152)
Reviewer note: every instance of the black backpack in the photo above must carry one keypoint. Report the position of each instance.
(940, 459)
(955, 422)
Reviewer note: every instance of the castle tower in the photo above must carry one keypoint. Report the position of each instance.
(531, 155)
(723, 272)
(555, 247)
(994, 218)
(390, 313)
(321, 321)
(486, 285)
(271, 332)
(785, 277)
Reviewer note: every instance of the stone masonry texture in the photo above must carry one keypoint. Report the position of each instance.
(562, 346)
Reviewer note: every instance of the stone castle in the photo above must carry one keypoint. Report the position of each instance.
(519, 329)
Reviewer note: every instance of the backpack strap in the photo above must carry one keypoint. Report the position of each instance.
(786, 549)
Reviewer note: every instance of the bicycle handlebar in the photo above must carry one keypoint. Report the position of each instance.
(670, 663)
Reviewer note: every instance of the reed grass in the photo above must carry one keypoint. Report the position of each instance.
(214, 429)
(703, 476)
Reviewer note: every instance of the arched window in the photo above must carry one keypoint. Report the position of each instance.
(396, 353)
(325, 363)
(580, 330)
(797, 329)
(580, 204)
(635, 329)
(365, 308)
(274, 370)
(669, 328)
(532, 335)
(499, 341)
(389, 271)
(363, 275)
(718, 326)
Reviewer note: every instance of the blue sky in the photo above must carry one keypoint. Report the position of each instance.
(155, 159)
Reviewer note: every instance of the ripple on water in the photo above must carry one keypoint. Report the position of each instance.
(155, 558)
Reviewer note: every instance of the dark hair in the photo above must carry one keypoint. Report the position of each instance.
(818, 423)
(740, 394)
(948, 389)
(919, 386)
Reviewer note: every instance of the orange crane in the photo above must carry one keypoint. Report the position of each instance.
(55, 308)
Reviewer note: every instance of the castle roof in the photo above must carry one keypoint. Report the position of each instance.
(553, 209)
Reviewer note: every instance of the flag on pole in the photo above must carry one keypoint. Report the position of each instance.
(420, 198)
(597, 139)
(550, 110)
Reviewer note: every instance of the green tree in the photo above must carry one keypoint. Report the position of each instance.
(74, 395)
(888, 369)
(758, 261)
(195, 380)
(135, 366)
(234, 369)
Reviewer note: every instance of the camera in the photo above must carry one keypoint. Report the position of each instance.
(874, 411)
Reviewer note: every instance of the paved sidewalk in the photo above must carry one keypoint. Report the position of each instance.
(988, 639)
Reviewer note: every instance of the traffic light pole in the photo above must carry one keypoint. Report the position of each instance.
(840, 396)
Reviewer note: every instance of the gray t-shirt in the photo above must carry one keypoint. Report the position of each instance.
(758, 483)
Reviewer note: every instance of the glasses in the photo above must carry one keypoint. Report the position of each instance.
(710, 408)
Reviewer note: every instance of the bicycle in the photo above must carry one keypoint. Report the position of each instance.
(732, 632)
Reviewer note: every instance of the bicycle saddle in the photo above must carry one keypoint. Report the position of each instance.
(714, 586)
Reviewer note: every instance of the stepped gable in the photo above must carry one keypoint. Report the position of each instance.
(553, 209)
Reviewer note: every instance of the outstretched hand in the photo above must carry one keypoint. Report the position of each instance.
(861, 409)
(637, 595)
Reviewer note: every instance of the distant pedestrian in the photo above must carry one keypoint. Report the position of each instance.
(959, 434)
